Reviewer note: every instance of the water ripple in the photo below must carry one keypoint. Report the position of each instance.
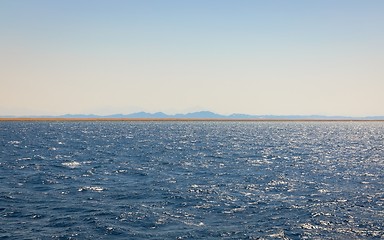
(177, 180)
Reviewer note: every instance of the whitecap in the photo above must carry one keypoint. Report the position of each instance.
(323, 191)
(91, 188)
(277, 182)
(247, 194)
(72, 164)
(161, 221)
(308, 226)
(190, 223)
(280, 235)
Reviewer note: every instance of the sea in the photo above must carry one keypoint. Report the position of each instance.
(191, 180)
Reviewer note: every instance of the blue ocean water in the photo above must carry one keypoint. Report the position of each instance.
(191, 180)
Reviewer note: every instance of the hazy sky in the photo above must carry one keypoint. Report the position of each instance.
(256, 57)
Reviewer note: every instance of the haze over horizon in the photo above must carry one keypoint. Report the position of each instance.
(253, 57)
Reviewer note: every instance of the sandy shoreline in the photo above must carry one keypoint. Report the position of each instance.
(181, 120)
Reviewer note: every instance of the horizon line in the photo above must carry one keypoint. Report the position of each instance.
(203, 115)
(58, 119)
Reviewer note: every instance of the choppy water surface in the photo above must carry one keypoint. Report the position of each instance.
(190, 180)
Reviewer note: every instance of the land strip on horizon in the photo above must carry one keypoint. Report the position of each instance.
(52, 119)
(193, 116)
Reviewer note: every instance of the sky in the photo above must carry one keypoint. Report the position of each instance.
(277, 57)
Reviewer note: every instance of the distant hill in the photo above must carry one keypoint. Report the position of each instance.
(212, 115)
(207, 115)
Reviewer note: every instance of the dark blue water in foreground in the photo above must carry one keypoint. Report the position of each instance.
(191, 180)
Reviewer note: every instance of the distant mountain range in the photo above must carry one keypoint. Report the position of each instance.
(208, 115)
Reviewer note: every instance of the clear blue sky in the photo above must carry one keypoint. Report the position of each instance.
(256, 57)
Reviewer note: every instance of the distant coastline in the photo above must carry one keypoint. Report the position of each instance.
(194, 116)
(51, 119)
